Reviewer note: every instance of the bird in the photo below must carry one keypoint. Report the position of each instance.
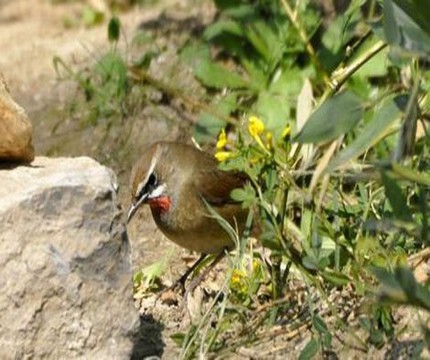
(180, 183)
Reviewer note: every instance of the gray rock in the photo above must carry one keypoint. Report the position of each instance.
(65, 272)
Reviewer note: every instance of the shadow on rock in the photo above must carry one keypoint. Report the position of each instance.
(148, 341)
(169, 25)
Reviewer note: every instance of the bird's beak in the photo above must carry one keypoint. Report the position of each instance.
(135, 206)
(131, 212)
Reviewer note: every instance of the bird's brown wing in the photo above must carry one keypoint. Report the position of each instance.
(216, 185)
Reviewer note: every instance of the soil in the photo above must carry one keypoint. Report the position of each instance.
(32, 33)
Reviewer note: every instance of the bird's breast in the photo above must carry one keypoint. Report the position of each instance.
(188, 224)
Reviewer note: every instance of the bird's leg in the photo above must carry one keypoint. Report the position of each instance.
(198, 279)
(181, 281)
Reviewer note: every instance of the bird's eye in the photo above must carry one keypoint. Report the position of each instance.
(147, 188)
(152, 181)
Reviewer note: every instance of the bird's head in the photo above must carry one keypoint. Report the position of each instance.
(148, 184)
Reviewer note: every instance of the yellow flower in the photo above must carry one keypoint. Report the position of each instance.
(269, 138)
(255, 126)
(222, 140)
(238, 281)
(286, 132)
(222, 156)
(255, 265)
(237, 276)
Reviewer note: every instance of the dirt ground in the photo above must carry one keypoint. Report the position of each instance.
(32, 32)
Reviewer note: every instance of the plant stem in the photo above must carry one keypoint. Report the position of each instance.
(342, 74)
(302, 33)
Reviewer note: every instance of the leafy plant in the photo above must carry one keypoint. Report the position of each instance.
(348, 190)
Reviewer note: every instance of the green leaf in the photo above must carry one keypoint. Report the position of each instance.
(275, 104)
(246, 195)
(222, 27)
(418, 10)
(310, 350)
(333, 118)
(422, 297)
(319, 324)
(154, 271)
(335, 277)
(406, 280)
(114, 27)
(341, 31)
(274, 109)
(240, 11)
(241, 195)
(193, 53)
(264, 40)
(209, 125)
(237, 163)
(391, 286)
(400, 287)
(372, 132)
(310, 262)
(377, 66)
(92, 17)
(406, 141)
(306, 223)
(396, 198)
(321, 327)
(217, 76)
(144, 61)
(288, 82)
(178, 338)
(402, 25)
(137, 278)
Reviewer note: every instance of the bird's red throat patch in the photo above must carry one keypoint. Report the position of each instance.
(161, 204)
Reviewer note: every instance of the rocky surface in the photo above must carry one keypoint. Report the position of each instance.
(15, 129)
(65, 272)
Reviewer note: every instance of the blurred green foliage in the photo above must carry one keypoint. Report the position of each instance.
(346, 195)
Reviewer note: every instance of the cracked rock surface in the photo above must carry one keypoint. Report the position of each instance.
(65, 272)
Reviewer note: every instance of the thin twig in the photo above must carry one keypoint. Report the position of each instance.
(302, 33)
(276, 302)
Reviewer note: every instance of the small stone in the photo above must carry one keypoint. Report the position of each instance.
(169, 297)
(15, 130)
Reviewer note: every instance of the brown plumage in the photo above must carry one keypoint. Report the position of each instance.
(176, 180)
